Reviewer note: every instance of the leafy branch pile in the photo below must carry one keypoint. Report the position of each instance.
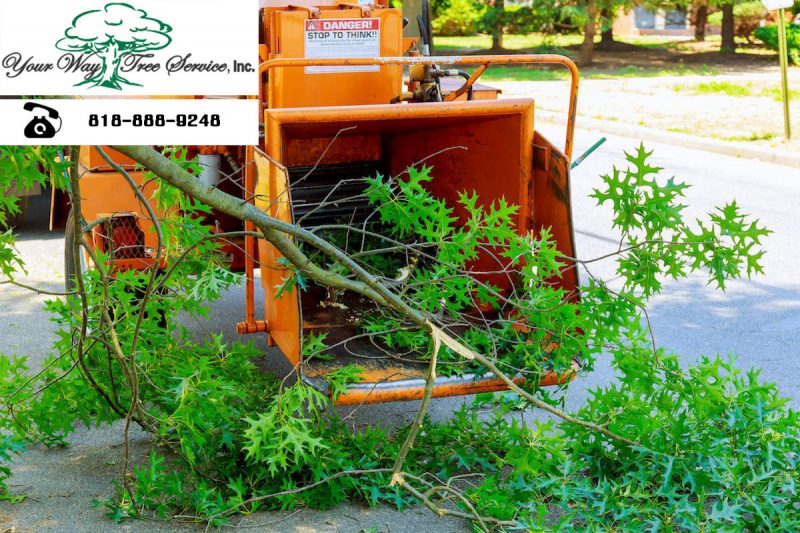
(669, 447)
(423, 250)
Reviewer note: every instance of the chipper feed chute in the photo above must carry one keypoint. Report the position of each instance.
(311, 173)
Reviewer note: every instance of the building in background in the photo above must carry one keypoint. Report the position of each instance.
(643, 21)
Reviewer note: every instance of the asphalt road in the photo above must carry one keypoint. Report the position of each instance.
(757, 320)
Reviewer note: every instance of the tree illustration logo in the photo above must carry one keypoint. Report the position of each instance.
(112, 33)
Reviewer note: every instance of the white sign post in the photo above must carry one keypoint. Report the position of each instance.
(780, 6)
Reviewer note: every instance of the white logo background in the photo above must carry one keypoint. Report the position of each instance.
(216, 34)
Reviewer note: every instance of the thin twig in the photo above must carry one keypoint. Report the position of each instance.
(430, 381)
(37, 290)
(297, 490)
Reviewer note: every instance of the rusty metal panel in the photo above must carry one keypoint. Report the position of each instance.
(552, 205)
(282, 314)
(91, 159)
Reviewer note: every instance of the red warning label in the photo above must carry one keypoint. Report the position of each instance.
(342, 38)
(342, 24)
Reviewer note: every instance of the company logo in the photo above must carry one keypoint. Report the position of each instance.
(130, 47)
(112, 34)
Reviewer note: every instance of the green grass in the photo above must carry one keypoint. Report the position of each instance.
(510, 42)
(522, 73)
(717, 87)
(514, 73)
(755, 136)
(775, 93)
(736, 90)
(652, 41)
(538, 41)
(642, 72)
(535, 42)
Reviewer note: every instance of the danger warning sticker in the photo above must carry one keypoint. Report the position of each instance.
(342, 38)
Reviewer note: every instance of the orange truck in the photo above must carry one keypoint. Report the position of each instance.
(329, 119)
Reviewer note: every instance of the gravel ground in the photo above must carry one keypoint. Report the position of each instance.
(758, 320)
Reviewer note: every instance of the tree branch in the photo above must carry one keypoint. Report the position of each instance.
(275, 231)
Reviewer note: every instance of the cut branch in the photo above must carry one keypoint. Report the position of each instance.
(278, 233)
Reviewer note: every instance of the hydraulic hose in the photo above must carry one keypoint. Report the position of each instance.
(470, 91)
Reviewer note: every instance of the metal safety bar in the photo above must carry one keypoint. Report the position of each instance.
(484, 60)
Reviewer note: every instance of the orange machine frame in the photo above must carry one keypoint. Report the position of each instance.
(547, 179)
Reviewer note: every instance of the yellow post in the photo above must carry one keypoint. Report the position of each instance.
(782, 52)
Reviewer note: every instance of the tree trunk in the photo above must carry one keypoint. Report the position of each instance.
(700, 21)
(109, 70)
(108, 74)
(589, 30)
(499, 7)
(728, 26)
(607, 35)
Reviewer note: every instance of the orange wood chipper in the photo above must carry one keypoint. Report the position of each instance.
(385, 106)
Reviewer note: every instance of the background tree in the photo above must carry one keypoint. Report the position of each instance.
(728, 28)
(700, 16)
(600, 14)
(496, 16)
(607, 17)
(112, 33)
(589, 31)
(738, 18)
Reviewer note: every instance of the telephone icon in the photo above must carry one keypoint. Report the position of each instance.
(41, 126)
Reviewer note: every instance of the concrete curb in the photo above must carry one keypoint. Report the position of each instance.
(679, 139)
